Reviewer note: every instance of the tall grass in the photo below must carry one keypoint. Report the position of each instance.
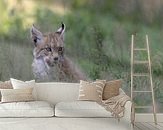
(15, 61)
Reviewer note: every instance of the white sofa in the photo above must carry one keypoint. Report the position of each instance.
(64, 113)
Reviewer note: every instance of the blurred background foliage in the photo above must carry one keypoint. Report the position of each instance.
(97, 38)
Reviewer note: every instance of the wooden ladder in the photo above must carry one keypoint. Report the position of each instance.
(148, 75)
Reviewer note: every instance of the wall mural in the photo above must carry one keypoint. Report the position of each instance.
(65, 41)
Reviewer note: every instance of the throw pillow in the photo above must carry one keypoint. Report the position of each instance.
(18, 84)
(91, 91)
(111, 89)
(5, 85)
(16, 95)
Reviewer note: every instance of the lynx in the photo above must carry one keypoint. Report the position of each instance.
(50, 62)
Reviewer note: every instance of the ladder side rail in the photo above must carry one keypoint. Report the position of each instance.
(151, 80)
(132, 60)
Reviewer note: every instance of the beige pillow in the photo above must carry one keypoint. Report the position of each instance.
(5, 85)
(111, 89)
(17, 95)
(91, 91)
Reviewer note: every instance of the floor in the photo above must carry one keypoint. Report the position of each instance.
(73, 124)
(63, 124)
(148, 126)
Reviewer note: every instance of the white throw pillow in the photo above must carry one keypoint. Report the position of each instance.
(18, 84)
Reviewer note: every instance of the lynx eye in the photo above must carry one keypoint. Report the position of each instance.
(35, 39)
(60, 49)
(49, 49)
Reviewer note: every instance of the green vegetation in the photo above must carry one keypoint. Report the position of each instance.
(98, 36)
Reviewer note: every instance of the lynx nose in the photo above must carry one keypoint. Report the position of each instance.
(56, 58)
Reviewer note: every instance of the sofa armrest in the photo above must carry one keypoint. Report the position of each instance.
(127, 112)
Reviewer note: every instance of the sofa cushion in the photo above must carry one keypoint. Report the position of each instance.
(80, 109)
(16, 95)
(26, 109)
(91, 91)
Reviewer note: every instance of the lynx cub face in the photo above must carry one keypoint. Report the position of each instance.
(48, 47)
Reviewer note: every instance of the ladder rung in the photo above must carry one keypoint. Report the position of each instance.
(140, 49)
(140, 74)
(142, 91)
(143, 106)
(140, 62)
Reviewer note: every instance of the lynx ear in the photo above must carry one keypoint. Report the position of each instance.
(61, 29)
(36, 35)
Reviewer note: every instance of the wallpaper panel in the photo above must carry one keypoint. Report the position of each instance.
(65, 41)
